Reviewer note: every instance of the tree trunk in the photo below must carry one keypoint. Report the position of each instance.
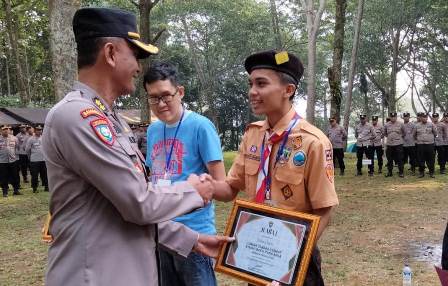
(62, 44)
(334, 72)
(11, 28)
(144, 8)
(351, 73)
(393, 75)
(366, 105)
(275, 25)
(312, 25)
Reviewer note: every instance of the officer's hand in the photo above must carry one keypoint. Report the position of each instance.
(203, 186)
(209, 245)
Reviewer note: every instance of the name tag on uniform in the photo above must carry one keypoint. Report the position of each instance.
(163, 182)
(366, 161)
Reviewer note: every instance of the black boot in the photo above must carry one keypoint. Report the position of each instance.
(16, 192)
(35, 190)
(389, 174)
(46, 189)
(401, 175)
(431, 175)
(421, 174)
(342, 172)
(359, 173)
(442, 171)
(380, 170)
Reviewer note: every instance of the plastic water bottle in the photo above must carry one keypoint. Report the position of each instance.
(407, 275)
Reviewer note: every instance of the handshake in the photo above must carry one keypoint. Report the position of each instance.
(205, 186)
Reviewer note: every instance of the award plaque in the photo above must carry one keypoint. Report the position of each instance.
(270, 244)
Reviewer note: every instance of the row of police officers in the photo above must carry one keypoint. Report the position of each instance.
(18, 154)
(417, 143)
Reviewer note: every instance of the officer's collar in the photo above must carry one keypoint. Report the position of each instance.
(89, 92)
(282, 124)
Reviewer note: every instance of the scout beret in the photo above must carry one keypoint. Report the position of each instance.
(392, 114)
(374, 117)
(406, 114)
(362, 116)
(435, 114)
(279, 61)
(91, 23)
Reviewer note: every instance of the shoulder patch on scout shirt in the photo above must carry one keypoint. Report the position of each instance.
(103, 131)
(329, 170)
(90, 112)
(329, 155)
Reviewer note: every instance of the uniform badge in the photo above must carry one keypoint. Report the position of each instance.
(103, 131)
(90, 112)
(329, 170)
(299, 159)
(98, 103)
(138, 167)
(253, 149)
(284, 157)
(287, 192)
(297, 142)
(328, 155)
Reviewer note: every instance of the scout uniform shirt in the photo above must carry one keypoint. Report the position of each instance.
(22, 140)
(425, 133)
(302, 180)
(408, 140)
(8, 148)
(364, 134)
(34, 149)
(378, 132)
(442, 131)
(394, 133)
(103, 210)
(337, 136)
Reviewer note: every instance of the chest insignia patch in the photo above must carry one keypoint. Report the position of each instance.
(98, 103)
(284, 157)
(90, 112)
(287, 192)
(103, 131)
(299, 159)
(253, 149)
(297, 142)
(329, 170)
(329, 155)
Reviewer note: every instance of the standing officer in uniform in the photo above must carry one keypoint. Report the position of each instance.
(409, 152)
(283, 160)
(106, 217)
(364, 134)
(424, 134)
(9, 166)
(337, 136)
(37, 164)
(445, 120)
(440, 141)
(22, 139)
(394, 131)
(377, 143)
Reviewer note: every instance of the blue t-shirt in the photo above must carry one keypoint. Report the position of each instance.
(196, 144)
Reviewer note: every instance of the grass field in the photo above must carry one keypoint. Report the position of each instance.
(380, 223)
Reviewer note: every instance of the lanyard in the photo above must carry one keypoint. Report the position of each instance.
(168, 156)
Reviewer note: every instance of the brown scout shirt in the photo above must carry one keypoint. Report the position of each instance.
(104, 211)
(394, 133)
(294, 186)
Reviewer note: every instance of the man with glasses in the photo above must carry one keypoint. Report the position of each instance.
(181, 143)
(9, 166)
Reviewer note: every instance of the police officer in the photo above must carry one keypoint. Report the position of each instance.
(424, 134)
(445, 120)
(283, 160)
(377, 143)
(37, 164)
(337, 136)
(9, 166)
(394, 131)
(22, 138)
(105, 215)
(364, 134)
(409, 152)
(440, 141)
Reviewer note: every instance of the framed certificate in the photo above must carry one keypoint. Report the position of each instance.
(270, 244)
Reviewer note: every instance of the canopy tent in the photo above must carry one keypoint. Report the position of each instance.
(6, 119)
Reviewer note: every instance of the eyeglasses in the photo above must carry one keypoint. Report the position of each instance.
(153, 100)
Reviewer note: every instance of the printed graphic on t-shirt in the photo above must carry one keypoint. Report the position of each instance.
(159, 155)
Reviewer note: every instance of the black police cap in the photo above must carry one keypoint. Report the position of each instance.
(281, 61)
(332, 118)
(362, 116)
(392, 114)
(445, 114)
(435, 115)
(406, 114)
(91, 23)
(374, 117)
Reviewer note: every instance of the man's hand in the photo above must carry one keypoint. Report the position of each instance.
(209, 245)
(203, 185)
(273, 283)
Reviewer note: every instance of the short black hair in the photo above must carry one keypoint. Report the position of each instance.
(88, 50)
(287, 79)
(161, 71)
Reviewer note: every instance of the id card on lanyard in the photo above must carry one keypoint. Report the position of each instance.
(166, 180)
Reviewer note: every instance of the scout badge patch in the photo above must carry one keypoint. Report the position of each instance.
(297, 142)
(328, 155)
(253, 149)
(299, 159)
(281, 58)
(102, 130)
(284, 157)
(287, 192)
(329, 170)
(90, 112)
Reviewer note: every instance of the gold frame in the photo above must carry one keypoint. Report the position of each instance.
(282, 213)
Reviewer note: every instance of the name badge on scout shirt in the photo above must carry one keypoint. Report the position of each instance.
(165, 181)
